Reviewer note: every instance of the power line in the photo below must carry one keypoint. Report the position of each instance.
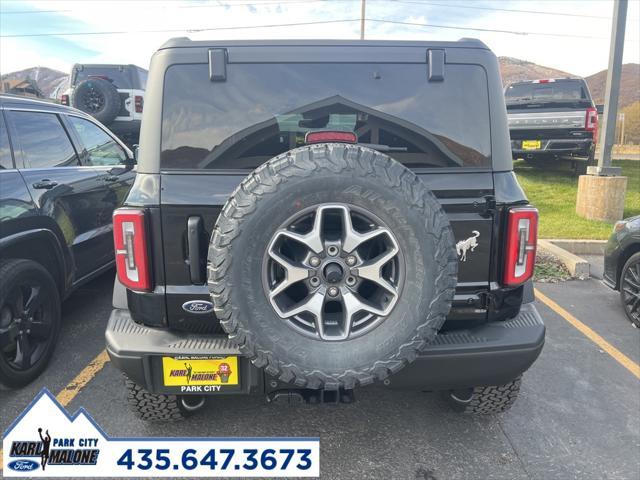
(393, 22)
(33, 11)
(191, 30)
(495, 9)
(478, 29)
(219, 5)
(297, 2)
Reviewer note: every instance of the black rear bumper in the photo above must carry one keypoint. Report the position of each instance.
(120, 127)
(491, 354)
(576, 148)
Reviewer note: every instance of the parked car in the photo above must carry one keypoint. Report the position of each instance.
(112, 94)
(553, 120)
(622, 265)
(309, 216)
(62, 175)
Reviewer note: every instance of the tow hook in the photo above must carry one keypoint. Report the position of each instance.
(191, 403)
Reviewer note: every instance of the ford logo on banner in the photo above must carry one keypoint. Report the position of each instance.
(23, 465)
(197, 306)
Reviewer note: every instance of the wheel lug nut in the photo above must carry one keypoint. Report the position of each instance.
(314, 261)
(332, 291)
(314, 281)
(332, 250)
(351, 281)
(350, 260)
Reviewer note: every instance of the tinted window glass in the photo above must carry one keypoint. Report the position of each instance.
(552, 92)
(101, 148)
(43, 140)
(262, 110)
(5, 150)
(120, 77)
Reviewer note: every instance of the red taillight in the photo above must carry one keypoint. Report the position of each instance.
(64, 99)
(544, 80)
(327, 136)
(130, 238)
(522, 237)
(591, 122)
(138, 103)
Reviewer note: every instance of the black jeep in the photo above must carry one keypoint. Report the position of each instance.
(314, 216)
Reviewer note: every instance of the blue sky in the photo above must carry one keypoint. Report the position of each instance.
(556, 37)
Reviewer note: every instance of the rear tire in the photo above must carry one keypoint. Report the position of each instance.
(99, 98)
(155, 407)
(629, 279)
(341, 179)
(29, 320)
(485, 400)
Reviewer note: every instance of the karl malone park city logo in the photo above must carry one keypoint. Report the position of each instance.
(62, 453)
(191, 375)
(45, 440)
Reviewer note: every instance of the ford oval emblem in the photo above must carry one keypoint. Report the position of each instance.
(23, 465)
(197, 306)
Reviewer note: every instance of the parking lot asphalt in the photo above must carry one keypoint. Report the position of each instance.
(577, 415)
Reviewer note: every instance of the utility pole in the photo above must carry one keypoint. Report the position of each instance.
(601, 193)
(362, 9)
(612, 91)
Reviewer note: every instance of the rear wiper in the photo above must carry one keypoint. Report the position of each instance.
(383, 148)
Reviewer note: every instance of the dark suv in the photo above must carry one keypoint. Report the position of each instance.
(62, 175)
(311, 217)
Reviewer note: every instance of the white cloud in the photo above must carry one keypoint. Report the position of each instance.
(579, 56)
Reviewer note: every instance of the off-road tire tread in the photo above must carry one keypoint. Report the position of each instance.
(153, 406)
(309, 161)
(493, 399)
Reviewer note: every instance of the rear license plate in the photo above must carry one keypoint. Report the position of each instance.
(200, 371)
(531, 144)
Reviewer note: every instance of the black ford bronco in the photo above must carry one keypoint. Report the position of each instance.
(310, 217)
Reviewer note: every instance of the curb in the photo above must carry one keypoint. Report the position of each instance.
(578, 267)
(579, 247)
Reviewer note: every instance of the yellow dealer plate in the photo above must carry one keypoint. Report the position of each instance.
(188, 371)
(531, 144)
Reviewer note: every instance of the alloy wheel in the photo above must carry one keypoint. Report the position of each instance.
(333, 272)
(630, 286)
(25, 326)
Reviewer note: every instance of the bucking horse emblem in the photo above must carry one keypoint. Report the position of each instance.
(463, 246)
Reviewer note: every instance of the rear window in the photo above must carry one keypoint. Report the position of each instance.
(262, 110)
(119, 76)
(551, 92)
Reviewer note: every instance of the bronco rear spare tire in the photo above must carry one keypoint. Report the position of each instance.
(99, 98)
(332, 266)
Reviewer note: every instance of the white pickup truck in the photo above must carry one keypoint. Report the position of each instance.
(552, 119)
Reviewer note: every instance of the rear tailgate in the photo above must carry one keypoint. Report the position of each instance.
(221, 120)
(199, 197)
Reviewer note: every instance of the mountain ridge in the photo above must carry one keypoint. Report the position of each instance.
(53, 82)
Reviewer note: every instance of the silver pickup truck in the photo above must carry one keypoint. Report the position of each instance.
(552, 119)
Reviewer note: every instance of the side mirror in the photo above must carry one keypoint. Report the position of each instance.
(600, 108)
(131, 162)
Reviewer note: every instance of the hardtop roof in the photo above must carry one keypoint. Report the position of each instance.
(185, 42)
